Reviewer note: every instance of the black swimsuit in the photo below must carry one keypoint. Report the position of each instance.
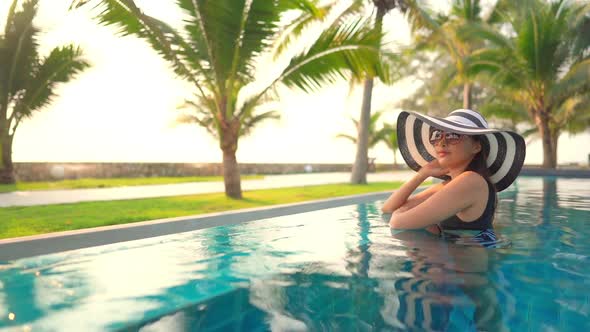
(482, 223)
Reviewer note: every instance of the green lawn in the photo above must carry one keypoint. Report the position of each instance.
(22, 221)
(112, 182)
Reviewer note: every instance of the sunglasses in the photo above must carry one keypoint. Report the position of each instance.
(450, 138)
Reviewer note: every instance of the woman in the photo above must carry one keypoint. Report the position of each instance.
(475, 161)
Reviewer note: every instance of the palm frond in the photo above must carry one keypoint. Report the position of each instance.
(10, 17)
(128, 18)
(250, 122)
(60, 66)
(501, 65)
(188, 61)
(503, 109)
(206, 121)
(197, 51)
(573, 115)
(355, 122)
(19, 50)
(259, 25)
(480, 31)
(381, 135)
(468, 10)
(375, 135)
(390, 136)
(312, 15)
(577, 80)
(248, 28)
(395, 63)
(351, 49)
(201, 112)
(500, 12)
(447, 77)
(580, 26)
(530, 134)
(348, 137)
(375, 116)
(542, 38)
(355, 9)
(428, 41)
(420, 18)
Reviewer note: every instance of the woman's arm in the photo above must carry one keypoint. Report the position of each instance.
(400, 197)
(420, 197)
(454, 197)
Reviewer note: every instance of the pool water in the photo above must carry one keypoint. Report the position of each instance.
(333, 269)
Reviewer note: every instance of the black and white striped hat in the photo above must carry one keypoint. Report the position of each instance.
(507, 149)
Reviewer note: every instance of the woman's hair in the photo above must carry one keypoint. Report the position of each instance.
(478, 163)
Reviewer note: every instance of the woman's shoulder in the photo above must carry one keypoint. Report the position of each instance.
(470, 179)
(472, 174)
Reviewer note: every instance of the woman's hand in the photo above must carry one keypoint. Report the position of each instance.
(434, 229)
(433, 168)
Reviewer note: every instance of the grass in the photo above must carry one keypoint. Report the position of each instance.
(32, 220)
(111, 182)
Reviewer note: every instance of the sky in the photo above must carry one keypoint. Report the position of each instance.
(123, 108)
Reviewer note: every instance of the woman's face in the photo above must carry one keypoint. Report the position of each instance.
(453, 150)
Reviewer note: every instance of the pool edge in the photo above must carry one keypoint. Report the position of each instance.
(35, 245)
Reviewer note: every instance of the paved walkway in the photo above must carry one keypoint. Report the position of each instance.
(28, 198)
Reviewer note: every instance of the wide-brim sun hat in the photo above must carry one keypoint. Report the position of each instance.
(507, 149)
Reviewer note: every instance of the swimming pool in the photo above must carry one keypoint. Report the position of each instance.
(332, 269)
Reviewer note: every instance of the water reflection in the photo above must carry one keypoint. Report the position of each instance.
(421, 283)
(18, 297)
(451, 284)
(546, 220)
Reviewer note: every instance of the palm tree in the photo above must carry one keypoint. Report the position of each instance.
(387, 134)
(573, 116)
(359, 168)
(504, 112)
(390, 139)
(195, 113)
(446, 32)
(434, 96)
(220, 45)
(545, 65)
(27, 81)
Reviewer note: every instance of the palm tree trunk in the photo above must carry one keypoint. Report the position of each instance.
(361, 160)
(549, 199)
(231, 175)
(542, 120)
(6, 167)
(554, 139)
(231, 169)
(467, 96)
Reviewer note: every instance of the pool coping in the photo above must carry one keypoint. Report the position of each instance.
(561, 172)
(35, 245)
